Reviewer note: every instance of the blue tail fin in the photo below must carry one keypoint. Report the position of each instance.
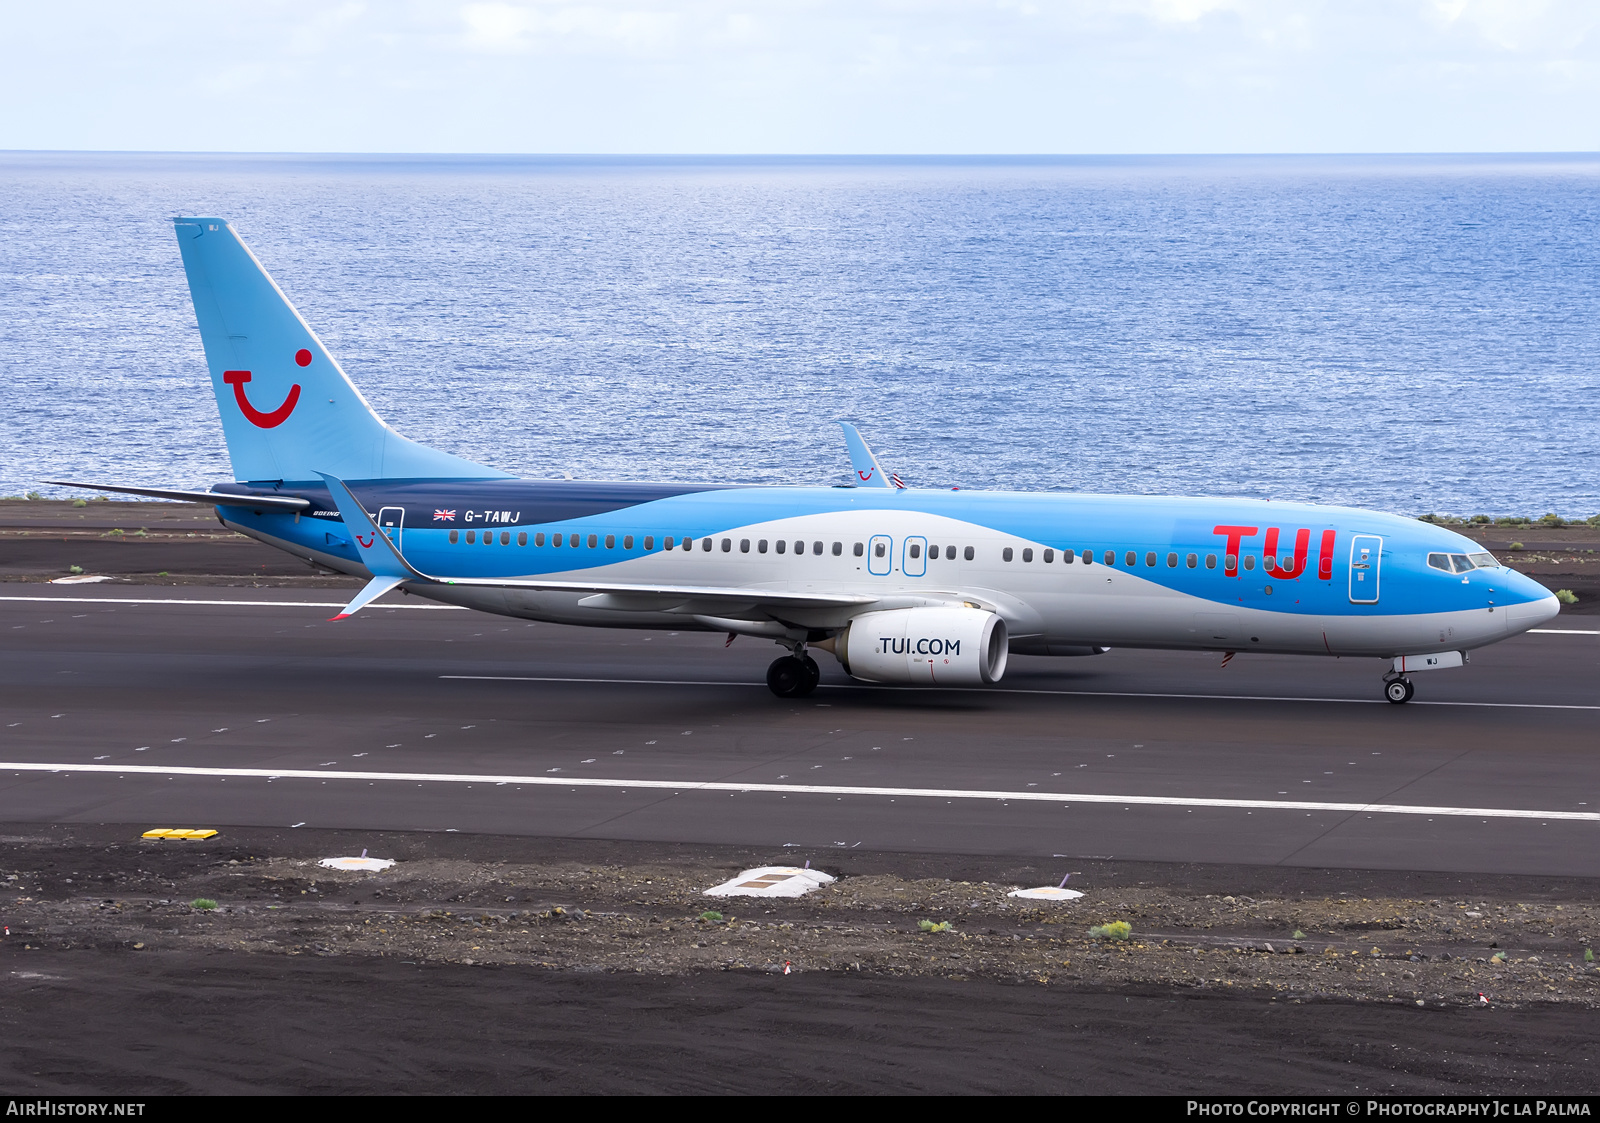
(288, 411)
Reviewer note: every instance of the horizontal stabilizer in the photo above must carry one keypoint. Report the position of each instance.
(260, 502)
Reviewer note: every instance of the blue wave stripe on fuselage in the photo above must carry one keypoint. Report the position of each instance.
(1142, 524)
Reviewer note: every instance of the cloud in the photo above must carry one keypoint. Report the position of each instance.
(525, 28)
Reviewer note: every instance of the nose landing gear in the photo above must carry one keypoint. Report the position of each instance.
(1398, 689)
(793, 676)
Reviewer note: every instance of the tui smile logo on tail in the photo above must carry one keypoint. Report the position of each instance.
(237, 379)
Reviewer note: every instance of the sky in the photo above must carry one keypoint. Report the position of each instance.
(811, 76)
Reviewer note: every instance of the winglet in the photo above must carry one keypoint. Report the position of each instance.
(378, 552)
(369, 593)
(867, 471)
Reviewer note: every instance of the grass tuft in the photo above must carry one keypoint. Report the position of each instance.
(1566, 596)
(1552, 519)
(74, 569)
(711, 914)
(934, 926)
(80, 502)
(1588, 955)
(34, 495)
(1298, 935)
(1518, 546)
(1116, 930)
(204, 904)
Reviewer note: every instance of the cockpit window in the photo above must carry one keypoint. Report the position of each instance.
(1484, 560)
(1459, 563)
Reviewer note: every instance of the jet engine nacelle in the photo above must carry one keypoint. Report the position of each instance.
(933, 646)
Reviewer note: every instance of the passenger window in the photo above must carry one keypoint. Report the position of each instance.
(705, 544)
(859, 549)
(967, 553)
(649, 541)
(1005, 555)
(761, 546)
(1068, 557)
(744, 545)
(1211, 561)
(538, 539)
(916, 550)
(1192, 560)
(1249, 561)
(1131, 558)
(472, 537)
(878, 549)
(933, 553)
(1027, 553)
(627, 542)
(727, 545)
(488, 538)
(1150, 559)
(799, 548)
(455, 536)
(611, 541)
(783, 544)
(816, 548)
(1111, 557)
(572, 540)
(594, 540)
(666, 543)
(1230, 563)
(1049, 556)
(505, 538)
(838, 549)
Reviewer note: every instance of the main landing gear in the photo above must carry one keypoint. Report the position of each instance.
(1398, 689)
(794, 676)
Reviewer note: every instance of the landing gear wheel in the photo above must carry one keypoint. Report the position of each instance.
(1399, 690)
(792, 678)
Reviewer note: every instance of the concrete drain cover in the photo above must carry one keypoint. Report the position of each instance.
(771, 881)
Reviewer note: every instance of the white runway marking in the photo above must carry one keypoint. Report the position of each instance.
(1025, 690)
(231, 603)
(805, 789)
(1560, 632)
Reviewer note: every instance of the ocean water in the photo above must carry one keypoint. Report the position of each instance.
(1408, 333)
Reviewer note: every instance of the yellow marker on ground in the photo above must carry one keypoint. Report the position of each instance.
(184, 833)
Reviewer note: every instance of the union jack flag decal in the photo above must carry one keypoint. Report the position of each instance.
(440, 515)
(894, 478)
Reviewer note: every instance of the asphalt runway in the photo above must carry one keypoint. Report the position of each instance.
(219, 707)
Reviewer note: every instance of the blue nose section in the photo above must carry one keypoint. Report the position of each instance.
(1528, 602)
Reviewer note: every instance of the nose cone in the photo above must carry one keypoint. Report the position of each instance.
(1529, 603)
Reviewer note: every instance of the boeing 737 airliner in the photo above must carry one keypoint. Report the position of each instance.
(901, 585)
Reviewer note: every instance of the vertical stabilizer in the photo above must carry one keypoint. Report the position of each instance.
(288, 411)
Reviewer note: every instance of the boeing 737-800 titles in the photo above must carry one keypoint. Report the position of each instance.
(901, 585)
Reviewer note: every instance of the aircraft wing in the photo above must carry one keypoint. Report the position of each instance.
(259, 502)
(390, 569)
